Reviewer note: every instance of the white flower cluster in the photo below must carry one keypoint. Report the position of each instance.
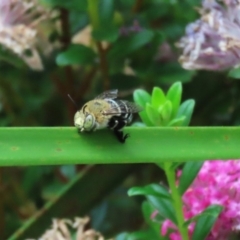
(213, 41)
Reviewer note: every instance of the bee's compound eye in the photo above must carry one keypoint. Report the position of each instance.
(88, 123)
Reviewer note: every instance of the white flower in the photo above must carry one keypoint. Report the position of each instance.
(17, 29)
(213, 41)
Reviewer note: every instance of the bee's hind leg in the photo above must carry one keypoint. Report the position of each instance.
(121, 136)
(116, 124)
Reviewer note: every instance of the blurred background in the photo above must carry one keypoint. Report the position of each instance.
(52, 48)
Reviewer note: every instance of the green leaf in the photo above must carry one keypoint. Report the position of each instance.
(138, 124)
(186, 109)
(165, 112)
(127, 45)
(152, 189)
(158, 97)
(176, 165)
(127, 3)
(164, 206)
(188, 175)
(141, 97)
(143, 235)
(153, 115)
(205, 222)
(171, 73)
(234, 73)
(106, 33)
(174, 95)
(122, 236)
(106, 30)
(106, 10)
(76, 54)
(144, 116)
(159, 197)
(148, 210)
(177, 121)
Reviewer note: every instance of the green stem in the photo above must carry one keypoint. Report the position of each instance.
(93, 13)
(176, 199)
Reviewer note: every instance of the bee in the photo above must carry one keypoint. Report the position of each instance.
(106, 111)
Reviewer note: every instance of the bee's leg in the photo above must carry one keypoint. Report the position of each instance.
(116, 124)
(121, 136)
(81, 132)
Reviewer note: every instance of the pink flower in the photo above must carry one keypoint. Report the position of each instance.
(218, 182)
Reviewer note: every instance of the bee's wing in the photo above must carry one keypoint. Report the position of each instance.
(112, 94)
(124, 107)
(132, 107)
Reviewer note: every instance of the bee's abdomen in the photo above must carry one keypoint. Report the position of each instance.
(117, 123)
(126, 115)
(122, 118)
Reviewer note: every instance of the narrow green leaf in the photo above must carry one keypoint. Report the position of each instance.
(166, 112)
(186, 109)
(153, 115)
(64, 145)
(174, 95)
(177, 122)
(158, 97)
(127, 45)
(188, 175)
(76, 54)
(152, 189)
(164, 206)
(206, 221)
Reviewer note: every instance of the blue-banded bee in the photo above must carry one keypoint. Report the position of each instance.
(106, 111)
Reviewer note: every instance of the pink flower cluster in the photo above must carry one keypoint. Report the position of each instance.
(218, 182)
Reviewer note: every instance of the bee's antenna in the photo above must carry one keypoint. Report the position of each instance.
(72, 100)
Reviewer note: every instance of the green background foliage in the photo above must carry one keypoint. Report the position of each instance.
(131, 46)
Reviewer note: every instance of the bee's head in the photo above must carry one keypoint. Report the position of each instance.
(84, 121)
